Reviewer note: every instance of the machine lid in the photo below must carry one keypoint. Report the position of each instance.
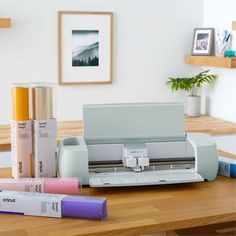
(117, 123)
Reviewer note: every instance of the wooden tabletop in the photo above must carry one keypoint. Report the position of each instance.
(205, 124)
(209, 125)
(138, 210)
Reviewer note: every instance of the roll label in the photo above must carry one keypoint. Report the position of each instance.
(33, 204)
(44, 147)
(21, 147)
(23, 184)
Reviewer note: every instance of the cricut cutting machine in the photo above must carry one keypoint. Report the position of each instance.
(137, 144)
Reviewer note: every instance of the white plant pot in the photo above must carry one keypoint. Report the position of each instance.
(193, 105)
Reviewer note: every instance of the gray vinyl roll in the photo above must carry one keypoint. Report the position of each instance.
(42, 103)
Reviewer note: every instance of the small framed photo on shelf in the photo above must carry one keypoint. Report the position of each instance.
(203, 41)
(85, 47)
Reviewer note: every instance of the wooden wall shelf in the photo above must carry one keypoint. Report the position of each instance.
(224, 62)
(234, 25)
(5, 22)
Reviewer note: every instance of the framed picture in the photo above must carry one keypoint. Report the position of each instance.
(85, 47)
(202, 41)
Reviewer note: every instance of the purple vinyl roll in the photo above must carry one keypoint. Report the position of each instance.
(85, 207)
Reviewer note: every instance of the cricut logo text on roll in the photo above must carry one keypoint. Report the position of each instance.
(20, 167)
(40, 166)
(9, 200)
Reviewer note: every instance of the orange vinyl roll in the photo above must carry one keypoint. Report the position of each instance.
(20, 103)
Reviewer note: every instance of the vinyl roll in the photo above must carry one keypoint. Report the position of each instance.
(69, 186)
(52, 205)
(84, 207)
(42, 103)
(20, 103)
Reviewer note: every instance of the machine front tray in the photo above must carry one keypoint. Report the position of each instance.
(156, 177)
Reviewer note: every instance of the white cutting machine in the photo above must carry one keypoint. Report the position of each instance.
(137, 144)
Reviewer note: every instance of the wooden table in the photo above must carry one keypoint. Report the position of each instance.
(138, 210)
(204, 124)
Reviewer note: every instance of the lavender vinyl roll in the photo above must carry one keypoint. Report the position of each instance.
(85, 207)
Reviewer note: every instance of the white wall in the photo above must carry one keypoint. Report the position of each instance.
(222, 97)
(151, 38)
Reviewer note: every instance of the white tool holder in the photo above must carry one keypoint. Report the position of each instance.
(135, 156)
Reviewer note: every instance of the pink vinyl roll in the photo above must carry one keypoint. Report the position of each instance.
(68, 186)
(65, 186)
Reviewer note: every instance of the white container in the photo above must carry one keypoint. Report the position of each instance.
(193, 106)
(73, 159)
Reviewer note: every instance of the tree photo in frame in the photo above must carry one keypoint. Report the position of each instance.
(202, 41)
(85, 47)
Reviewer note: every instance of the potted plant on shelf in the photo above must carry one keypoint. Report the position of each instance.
(192, 85)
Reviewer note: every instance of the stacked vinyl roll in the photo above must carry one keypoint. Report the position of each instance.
(44, 130)
(21, 133)
(20, 102)
(42, 103)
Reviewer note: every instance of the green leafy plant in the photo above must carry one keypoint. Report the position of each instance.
(191, 84)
